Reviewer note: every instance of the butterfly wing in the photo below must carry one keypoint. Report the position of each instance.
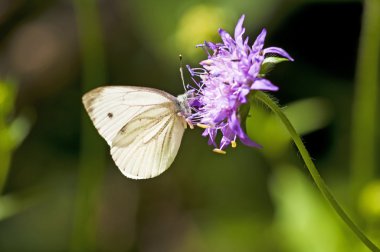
(147, 145)
(140, 124)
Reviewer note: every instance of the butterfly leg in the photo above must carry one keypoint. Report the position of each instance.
(190, 123)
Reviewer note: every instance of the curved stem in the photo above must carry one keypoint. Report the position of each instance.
(264, 98)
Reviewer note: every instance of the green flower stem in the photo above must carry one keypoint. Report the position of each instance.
(92, 158)
(365, 105)
(5, 153)
(5, 161)
(264, 98)
(7, 97)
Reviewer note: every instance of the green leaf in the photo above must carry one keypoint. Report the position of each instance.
(244, 113)
(269, 63)
(18, 130)
(8, 92)
(301, 210)
(307, 115)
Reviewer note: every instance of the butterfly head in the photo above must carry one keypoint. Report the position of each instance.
(183, 102)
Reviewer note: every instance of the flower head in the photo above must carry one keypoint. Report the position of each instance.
(223, 82)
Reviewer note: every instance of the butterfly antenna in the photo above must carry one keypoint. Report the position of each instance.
(181, 71)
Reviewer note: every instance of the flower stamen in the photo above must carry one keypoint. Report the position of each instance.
(203, 126)
(233, 144)
(219, 151)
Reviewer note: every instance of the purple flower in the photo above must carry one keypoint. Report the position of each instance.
(224, 81)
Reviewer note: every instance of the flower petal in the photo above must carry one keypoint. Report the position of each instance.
(259, 42)
(263, 84)
(211, 45)
(254, 70)
(226, 37)
(227, 137)
(234, 124)
(247, 141)
(278, 51)
(239, 30)
(242, 97)
(211, 133)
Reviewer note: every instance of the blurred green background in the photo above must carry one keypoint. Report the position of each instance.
(61, 190)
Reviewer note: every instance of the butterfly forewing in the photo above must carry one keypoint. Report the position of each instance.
(140, 124)
(110, 108)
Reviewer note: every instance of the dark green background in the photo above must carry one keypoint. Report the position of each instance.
(247, 200)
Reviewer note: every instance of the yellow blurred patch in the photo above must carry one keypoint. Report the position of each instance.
(199, 23)
(369, 201)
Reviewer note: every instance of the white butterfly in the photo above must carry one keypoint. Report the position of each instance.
(143, 126)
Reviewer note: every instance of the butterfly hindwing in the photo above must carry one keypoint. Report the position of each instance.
(141, 126)
(149, 150)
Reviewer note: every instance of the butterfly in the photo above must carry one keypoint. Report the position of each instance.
(143, 126)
